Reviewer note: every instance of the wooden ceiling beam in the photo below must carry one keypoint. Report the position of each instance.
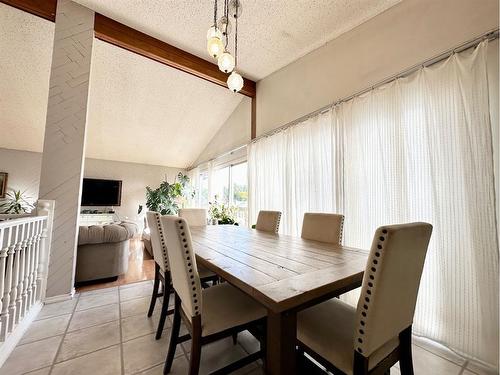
(135, 41)
(42, 8)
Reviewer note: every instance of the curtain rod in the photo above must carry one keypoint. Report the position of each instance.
(490, 35)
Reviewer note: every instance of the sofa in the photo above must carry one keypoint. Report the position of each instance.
(103, 251)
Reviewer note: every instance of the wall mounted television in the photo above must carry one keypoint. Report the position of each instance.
(97, 192)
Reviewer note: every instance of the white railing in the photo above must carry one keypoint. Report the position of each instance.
(24, 253)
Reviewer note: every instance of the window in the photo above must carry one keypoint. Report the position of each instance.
(239, 191)
(203, 193)
(229, 184)
(221, 184)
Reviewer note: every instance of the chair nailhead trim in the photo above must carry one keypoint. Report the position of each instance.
(162, 237)
(187, 259)
(341, 233)
(277, 223)
(368, 291)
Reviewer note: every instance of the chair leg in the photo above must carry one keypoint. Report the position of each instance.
(164, 306)
(154, 296)
(360, 364)
(174, 336)
(195, 357)
(405, 361)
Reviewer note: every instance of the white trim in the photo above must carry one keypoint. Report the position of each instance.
(13, 339)
(60, 298)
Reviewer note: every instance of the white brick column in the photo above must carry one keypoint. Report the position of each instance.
(64, 142)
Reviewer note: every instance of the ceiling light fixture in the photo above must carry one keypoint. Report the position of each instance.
(219, 32)
(215, 47)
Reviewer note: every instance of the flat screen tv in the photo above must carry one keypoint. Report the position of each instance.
(96, 192)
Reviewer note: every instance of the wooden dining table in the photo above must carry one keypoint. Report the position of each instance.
(285, 274)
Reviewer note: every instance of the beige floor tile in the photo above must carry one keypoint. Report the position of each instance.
(438, 349)
(140, 325)
(87, 340)
(57, 309)
(100, 291)
(94, 316)
(96, 300)
(49, 327)
(479, 369)
(103, 362)
(136, 291)
(220, 353)
(138, 306)
(40, 354)
(43, 371)
(248, 342)
(180, 366)
(145, 352)
(426, 363)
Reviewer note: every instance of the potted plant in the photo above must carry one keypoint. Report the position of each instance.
(15, 204)
(168, 197)
(222, 213)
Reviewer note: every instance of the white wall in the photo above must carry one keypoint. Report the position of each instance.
(235, 132)
(135, 178)
(23, 168)
(399, 38)
(24, 174)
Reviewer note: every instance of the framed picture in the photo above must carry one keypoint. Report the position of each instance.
(3, 184)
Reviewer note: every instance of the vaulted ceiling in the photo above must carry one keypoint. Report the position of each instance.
(271, 34)
(142, 111)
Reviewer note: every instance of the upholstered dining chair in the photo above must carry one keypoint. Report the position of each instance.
(209, 314)
(196, 217)
(162, 271)
(268, 221)
(371, 338)
(323, 227)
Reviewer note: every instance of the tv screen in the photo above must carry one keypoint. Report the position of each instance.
(96, 192)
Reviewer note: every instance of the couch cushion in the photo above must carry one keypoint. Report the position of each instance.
(109, 233)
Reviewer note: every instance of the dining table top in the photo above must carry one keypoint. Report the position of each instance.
(281, 272)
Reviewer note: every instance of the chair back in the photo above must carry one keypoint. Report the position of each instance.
(323, 227)
(195, 217)
(268, 221)
(390, 284)
(157, 240)
(183, 269)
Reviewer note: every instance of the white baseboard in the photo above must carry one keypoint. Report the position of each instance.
(13, 338)
(60, 298)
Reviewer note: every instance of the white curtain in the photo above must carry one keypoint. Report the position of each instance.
(295, 171)
(418, 149)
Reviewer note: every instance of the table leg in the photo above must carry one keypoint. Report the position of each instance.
(281, 338)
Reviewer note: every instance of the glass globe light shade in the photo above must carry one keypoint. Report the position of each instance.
(224, 26)
(234, 82)
(215, 46)
(226, 62)
(233, 10)
(214, 32)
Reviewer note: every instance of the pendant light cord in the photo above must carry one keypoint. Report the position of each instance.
(236, 35)
(215, 14)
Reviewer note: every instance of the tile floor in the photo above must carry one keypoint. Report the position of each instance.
(107, 332)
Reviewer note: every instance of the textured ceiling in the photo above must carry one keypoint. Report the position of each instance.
(25, 56)
(271, 34)
(145, 112)
(142, 111)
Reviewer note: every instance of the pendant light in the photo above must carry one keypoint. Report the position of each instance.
(215, 46)
(235, 80)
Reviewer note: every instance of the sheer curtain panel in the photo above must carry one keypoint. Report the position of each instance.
(417, 149)
(296, 171)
